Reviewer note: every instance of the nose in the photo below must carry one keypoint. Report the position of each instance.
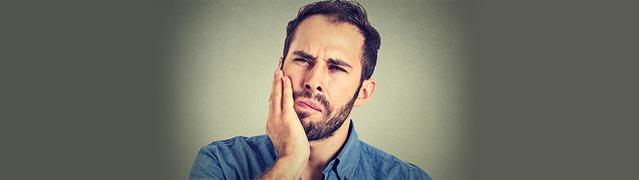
(310, 87)
(314, 80)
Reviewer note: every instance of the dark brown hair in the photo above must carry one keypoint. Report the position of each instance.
(341, 12)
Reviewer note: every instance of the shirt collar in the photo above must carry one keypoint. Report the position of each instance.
(348, 157)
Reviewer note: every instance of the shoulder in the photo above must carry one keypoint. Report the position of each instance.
(389, 165)
(238, 144)
(220, 159)
(239, 141)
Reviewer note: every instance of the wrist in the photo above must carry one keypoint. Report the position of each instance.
(286, 167)
(293, 159)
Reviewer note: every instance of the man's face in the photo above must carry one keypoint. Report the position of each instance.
(324, 65)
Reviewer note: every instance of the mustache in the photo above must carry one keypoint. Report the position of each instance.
(317, 97)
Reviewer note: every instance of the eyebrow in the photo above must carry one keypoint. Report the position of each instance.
(333, 61)
(304, 55)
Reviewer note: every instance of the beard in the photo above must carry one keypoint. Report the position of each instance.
(326, 127)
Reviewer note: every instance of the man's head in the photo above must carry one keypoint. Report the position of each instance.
(330, 53)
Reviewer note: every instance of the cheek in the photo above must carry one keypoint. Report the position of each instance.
(342, 93)
(296, 78)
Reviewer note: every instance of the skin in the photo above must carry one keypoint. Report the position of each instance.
(326, 42)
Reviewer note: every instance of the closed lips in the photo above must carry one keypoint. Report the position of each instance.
(309, 104)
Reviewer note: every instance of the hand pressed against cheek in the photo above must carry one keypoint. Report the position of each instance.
(285, 131)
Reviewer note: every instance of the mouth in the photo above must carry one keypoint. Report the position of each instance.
(305, 104)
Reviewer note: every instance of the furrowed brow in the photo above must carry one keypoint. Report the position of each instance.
(304, 55)
(339, 62)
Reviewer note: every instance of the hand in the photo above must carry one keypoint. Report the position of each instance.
(286, 131)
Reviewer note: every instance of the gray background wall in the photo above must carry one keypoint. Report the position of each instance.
(98, 90)
(227, 51)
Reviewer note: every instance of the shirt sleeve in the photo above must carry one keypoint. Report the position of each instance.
(417, 173)
(420, 174)
(206, 166)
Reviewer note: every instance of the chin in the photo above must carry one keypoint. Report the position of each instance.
(312, 118)
(315, 117)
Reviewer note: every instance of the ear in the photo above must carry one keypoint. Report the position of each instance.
(365, 92)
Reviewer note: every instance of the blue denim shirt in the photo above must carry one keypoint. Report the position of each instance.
(249, 157)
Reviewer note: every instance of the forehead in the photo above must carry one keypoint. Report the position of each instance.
(320, 37)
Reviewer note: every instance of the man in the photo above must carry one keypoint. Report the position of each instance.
(330, 53)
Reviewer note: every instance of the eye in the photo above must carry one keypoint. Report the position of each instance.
(301, 60)
(337, 68)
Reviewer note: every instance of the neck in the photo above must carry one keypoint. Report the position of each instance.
(323, 151)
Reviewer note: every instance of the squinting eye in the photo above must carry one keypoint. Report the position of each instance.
(336, 68)
(300, 60)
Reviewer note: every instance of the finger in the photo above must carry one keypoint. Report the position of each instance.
(277, 93)
(287, 98)
(279, 63)
(271, 105)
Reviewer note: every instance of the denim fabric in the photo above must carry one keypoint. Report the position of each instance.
(248, 157)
